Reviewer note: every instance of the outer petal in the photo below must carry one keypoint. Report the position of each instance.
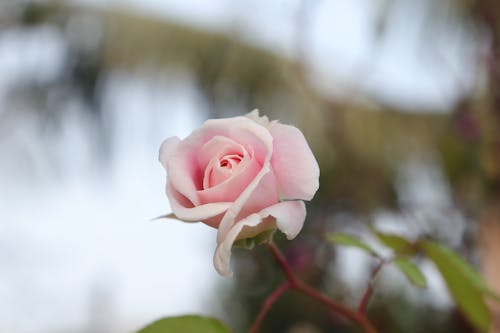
(289, 217)
(293, 163)
(184, 173)
(167, 148)
(185, 211)
(263, 196)
(223, 251)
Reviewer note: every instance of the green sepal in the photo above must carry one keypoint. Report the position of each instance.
(251, 242)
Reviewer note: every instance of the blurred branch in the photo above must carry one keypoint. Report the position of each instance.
(268, 303)
(295, 283)
(365, 299)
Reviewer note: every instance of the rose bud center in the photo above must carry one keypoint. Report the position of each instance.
(221, 169)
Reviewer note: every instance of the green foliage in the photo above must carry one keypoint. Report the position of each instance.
(348, 240)
(399, 244)
(465, 268)
(186, 324)
(411, 271)
(465, 285)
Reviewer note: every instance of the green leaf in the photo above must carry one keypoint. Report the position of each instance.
(186, 324)
(398, 243)
(468, 271)
(411, 271)
(462, 283)
(348, 240)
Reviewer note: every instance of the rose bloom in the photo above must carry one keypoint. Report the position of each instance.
(243, 176)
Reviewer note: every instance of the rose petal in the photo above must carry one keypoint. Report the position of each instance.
(218, 146)
(231, 188)
(289, 216)
(243, 131)
(181, 175)
(167, 148)
(236, 180)
(184, 174)
(264, 195)
(262, 144)
(186, 211)
(293, 163)
(222, 254)
(183, 168)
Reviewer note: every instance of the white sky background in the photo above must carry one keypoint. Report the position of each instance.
(73, 233)
(69, 230)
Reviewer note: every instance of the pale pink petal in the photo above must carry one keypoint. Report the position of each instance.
(231, 189)
(167, 148)
(222, 254)
(289, 217)
(218, 146)
(244, 131)
(215, 174)
(228, 183)
(183, 168)
(179, 168)
(186, 211)
(183, 172)
(262, 144)
(264, 195)
(293, 163)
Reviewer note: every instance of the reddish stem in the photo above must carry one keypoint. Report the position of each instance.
(281, 260)
(268, 304)
(363, 304)
(295, 283)
(360, 318)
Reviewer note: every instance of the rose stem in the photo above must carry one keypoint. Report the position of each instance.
(295, 283)
(268, 304)
(365, 299)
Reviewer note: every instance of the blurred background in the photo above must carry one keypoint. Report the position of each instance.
(399, 99)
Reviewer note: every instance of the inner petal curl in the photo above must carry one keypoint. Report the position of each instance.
(229, 170)
(221, 169)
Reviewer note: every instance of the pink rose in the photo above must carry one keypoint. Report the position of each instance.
(242, 176)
